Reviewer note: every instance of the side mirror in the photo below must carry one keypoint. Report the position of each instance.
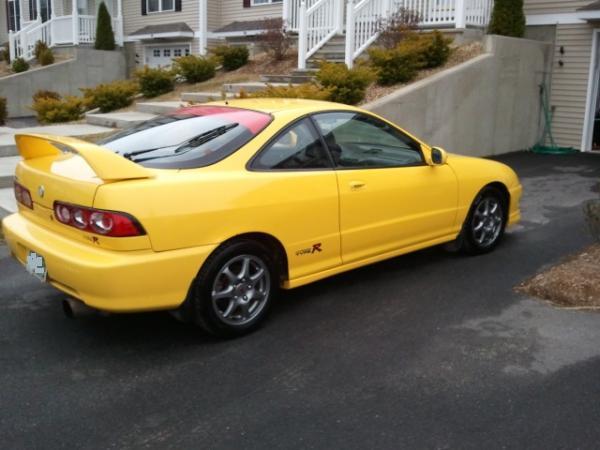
(439, 157)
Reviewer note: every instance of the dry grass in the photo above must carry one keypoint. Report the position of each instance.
(458, 56)
(575, 283)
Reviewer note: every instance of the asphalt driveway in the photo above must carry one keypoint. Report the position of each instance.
(429, 350)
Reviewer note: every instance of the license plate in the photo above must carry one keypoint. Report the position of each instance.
(36, 266)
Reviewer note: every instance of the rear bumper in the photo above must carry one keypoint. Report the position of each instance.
(107, 280)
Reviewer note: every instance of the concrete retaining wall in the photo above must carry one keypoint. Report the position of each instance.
(88, 68)
(486, 106)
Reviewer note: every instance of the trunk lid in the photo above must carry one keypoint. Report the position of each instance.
(69, 170)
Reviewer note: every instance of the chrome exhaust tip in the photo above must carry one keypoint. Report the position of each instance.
(75, 308)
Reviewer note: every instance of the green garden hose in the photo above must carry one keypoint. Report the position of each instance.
(547, 144)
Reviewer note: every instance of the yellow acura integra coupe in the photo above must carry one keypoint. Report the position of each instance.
(210, 210)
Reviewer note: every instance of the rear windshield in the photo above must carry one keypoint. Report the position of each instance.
(191, 137)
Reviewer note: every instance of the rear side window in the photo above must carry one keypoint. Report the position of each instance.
(297, 148)
(191, 138)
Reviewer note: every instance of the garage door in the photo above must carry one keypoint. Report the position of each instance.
(162, 55)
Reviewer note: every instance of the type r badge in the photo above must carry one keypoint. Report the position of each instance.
(41, 191)
(316, 248)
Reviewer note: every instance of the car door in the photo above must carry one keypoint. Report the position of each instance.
(390, 198)
(301, 197)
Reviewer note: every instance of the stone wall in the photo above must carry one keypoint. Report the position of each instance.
(87, 68)
(486, 106)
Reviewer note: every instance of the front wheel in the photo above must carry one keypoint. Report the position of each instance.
(486, 222)
(234, 290)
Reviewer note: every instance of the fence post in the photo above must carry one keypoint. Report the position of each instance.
(339, 16)
(11, 45)
(302, 36)
(460, 13)
(285, 16)
(75, 24)
(350, 34)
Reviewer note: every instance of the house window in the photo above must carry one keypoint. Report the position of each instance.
(156, 52)
(167, 52)
(177, 52)
(154, 6)
(187, 51)
(14, 15)
(264, 2)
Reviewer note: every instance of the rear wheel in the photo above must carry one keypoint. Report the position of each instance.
(484, 227)
(234, 290)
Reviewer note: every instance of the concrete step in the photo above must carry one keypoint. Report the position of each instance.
(120, 120)
(254, 86)
(294, 79)
(8, 165)
(315, 63)
(159, 107)
(203, 97)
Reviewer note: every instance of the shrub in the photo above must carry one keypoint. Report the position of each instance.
(275, 40)
(20, 65)
(111, 96)
(3, 111)
(398, 65)
(105, 37)
(5, 54)
(51, 110)
(154, 82)
(194, 69)
(345, 85)
(508, 18)
(436, 51)
(40, 46)
(46, 57)
(306, 90)
(46, 94)
(395, 28)
(232, 57)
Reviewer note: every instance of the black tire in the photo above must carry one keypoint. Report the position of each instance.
(207, 312)
(470, 239)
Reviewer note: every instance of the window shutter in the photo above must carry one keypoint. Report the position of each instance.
(144, 11)
(247, 3)
(177, 5)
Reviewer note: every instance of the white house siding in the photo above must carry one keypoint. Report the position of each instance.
(570, 82)
(553, 6)
(134, 20)
(233, 10)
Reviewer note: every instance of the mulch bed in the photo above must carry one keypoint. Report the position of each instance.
(574, 283)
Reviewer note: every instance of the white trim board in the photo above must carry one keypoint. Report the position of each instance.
(579, 17)
(588, 128)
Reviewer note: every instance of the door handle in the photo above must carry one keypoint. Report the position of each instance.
(356, 185)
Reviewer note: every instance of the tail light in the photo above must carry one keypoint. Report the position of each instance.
(23, 196)
(105, 223)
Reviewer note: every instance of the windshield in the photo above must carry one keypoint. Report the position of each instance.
(190, 138)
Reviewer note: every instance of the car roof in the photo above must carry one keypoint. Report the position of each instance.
(288, 105)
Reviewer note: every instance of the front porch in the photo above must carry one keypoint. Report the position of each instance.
(58, 22)
(318, 21)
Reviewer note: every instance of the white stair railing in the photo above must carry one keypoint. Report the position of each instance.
(364, 17)
(363, 24)
(87, 29)
(318, 24)
(18, 42)
(291, 13)
(478, 12)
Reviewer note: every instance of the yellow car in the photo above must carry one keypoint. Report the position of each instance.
(210, 210)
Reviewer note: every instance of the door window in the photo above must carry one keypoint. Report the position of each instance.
(360, 141)
(299, 147)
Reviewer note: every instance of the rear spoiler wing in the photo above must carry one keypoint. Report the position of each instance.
(107, 165)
